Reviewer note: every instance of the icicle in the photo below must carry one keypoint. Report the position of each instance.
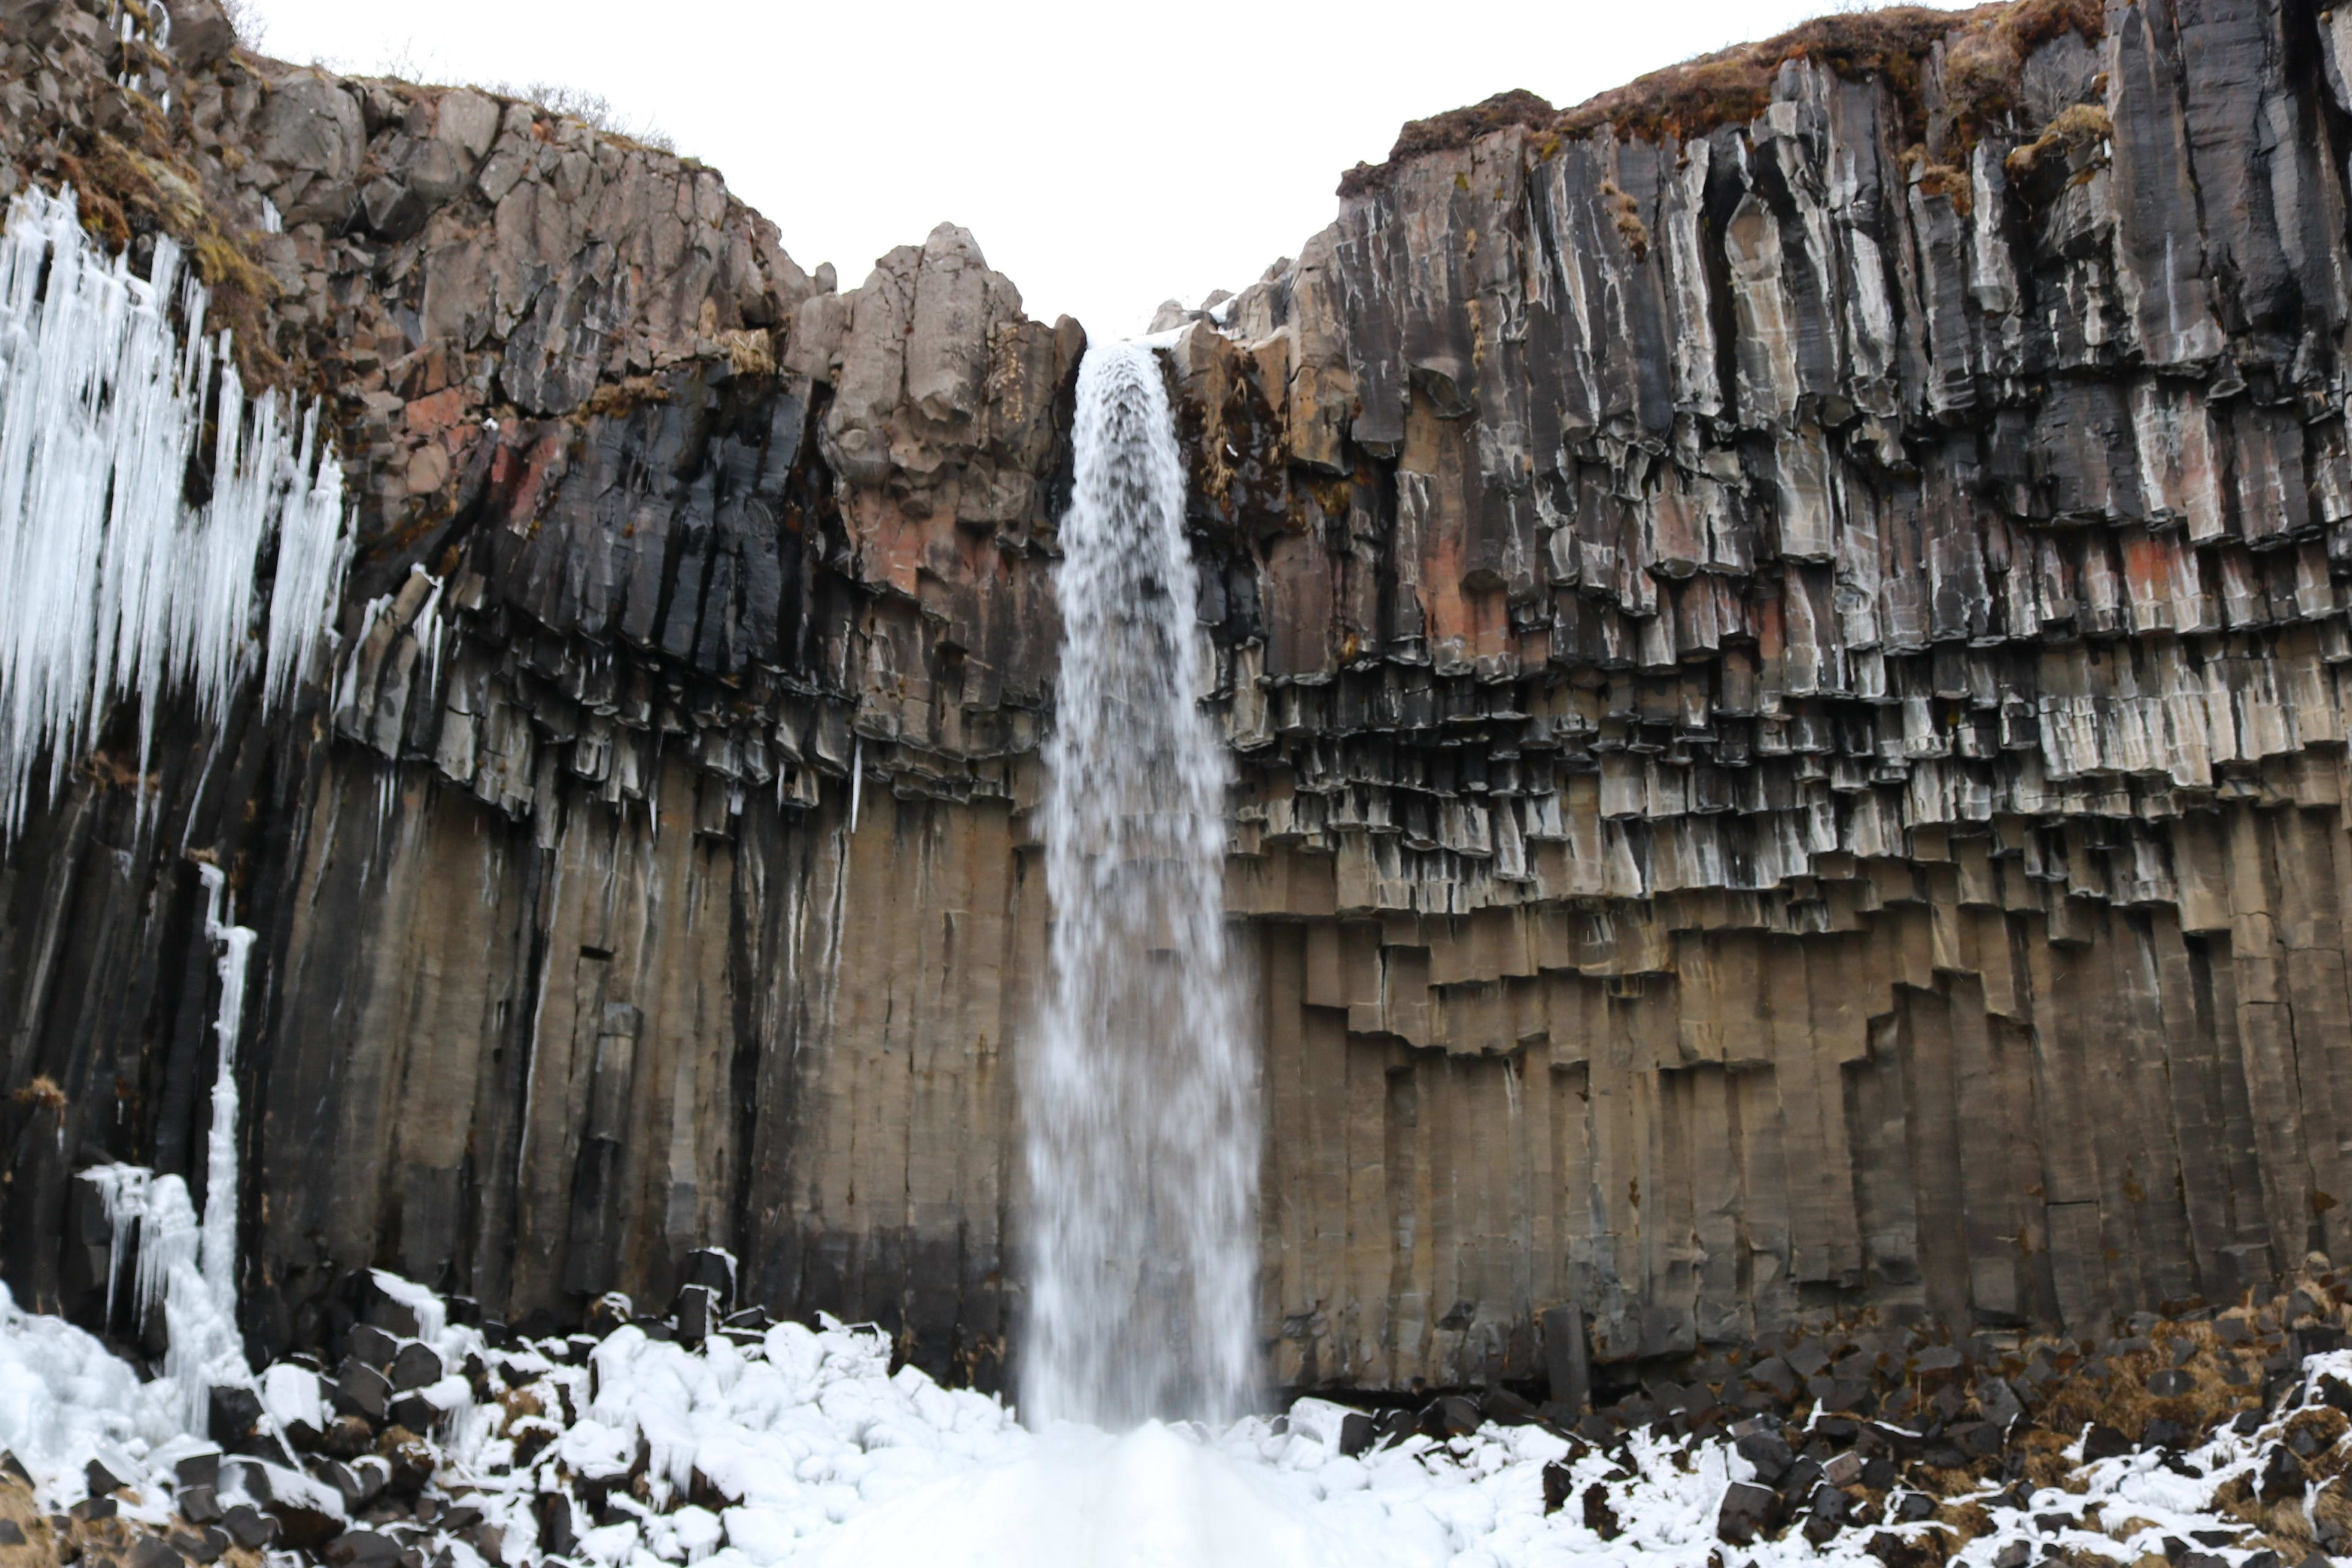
(152, 1212)
(185, 1265)
(219, 1250)
(347, 691)
(857, 781)
(168, 1240)
(117, 587)
(426, 629)
(122, 1195)
(312, 550)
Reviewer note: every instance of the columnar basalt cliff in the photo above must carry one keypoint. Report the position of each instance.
(1782, 631)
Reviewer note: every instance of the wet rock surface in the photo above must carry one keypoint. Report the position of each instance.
(1779, 631)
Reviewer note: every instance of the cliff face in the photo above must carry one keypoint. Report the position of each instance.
(1815, 664)
(565, 945)
(1781, 633)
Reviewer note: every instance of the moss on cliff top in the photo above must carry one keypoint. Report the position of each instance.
(1984, 53)
(1460, 127)
(121, 189)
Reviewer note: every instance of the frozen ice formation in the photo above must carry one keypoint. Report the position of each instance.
(187, 1264)
(132, 551)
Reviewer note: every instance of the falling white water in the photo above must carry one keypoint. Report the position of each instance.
(1142, 1135)
(117, 586)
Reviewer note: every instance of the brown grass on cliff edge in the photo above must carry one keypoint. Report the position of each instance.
(1984, 51)
(1460, 127)
(121, 187)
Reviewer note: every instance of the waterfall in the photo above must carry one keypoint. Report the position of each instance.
(120, 582)
(1143, 1138)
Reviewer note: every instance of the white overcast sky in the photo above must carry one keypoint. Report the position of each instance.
(1107, 156)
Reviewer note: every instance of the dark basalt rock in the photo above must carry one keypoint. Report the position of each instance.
(694, 1312)
(1745, 1511)
(207, 1545)
(359, 1482)
(249, 1527)
(360, 1390)
(412, 1411)
(1599, 1516)
(1558, 1484)
(2104, 1442)
(371, 1346)
(362, 1548)
(416, 1366)
(1770, 1453)
(1450, 1416)
(2282, 1475)
(147, 1551)
(231, 1413)
(1505, 1408)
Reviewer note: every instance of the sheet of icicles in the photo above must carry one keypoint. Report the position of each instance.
(112, 586)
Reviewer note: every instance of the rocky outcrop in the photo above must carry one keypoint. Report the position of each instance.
(1779, 633)
(1813, 666)
(658, 538)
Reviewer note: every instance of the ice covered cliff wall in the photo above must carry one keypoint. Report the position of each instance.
(1781, 630)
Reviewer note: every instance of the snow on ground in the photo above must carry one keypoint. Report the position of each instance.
(67, 1400)
(802, 1446)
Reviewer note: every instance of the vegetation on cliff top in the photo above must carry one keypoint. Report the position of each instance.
(1983, 58)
